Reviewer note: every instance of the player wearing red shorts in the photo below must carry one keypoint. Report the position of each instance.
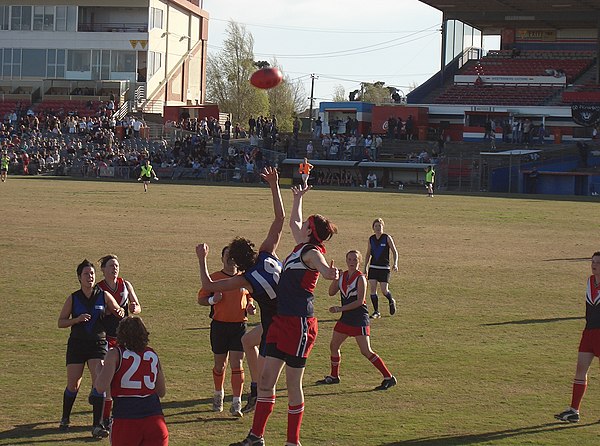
(589, 347)
(123, 292)
(354, 321)
(133, 374)
(292, 334)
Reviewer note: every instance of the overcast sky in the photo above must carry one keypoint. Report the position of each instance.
(342, 42)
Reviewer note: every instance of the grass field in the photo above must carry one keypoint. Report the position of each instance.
(490, 294)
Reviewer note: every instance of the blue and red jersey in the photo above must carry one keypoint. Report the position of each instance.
(297, 283)
(358, 317)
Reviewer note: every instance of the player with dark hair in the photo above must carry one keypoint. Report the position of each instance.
(354, 321)
(589, 346)
(261, 270)
(132, 373)
(228, 311)
(124, 294)
(294, 329)
(83, 312)
(378, 261)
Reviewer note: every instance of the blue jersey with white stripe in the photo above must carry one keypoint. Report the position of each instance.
(264, 278)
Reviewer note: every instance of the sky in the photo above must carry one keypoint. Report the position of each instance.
(342, 42)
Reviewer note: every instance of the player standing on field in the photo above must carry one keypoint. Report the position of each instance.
(354, 322)
(83, 312)
(589, 346)
(377, 264)
(146, 174)
(132, 373)
(124, 294)
(228, 311)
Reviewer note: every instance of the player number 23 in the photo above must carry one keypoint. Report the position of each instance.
(149, 381)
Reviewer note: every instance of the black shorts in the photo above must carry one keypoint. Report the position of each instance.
(80, 351)
(3, 170)
(146, 179)
(226, 336)
(380, 275)
(295, 362)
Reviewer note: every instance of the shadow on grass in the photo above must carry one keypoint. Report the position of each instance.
(487, 436)
(572, 259)
(33, 433)
(535, 321)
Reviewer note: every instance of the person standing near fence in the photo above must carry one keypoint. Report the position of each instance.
(146, 174)
(429, 180)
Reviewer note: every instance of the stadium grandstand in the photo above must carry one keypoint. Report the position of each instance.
(77, 54)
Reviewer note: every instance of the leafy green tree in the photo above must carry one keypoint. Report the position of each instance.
(227, 75)
(227, 84)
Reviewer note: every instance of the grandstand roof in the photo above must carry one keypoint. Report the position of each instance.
(492, 15)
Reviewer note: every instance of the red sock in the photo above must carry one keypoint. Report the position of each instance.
(237, 382)
(219, 379)
(107, 409)
(335, 365)
(378, 362)
(294, 422)
(579, 386)
(264, 408)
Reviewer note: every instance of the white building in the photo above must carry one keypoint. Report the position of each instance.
(156, 48)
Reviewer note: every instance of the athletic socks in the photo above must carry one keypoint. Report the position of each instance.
(219, 379)
(295, 414)
(380, 365)
(264, 408)
(68, 401)
(375, 301)
(579, 386)
(335, 366)
(237, 381)
(107, 408)
(96, 399)
(389, 296)
(253, 389)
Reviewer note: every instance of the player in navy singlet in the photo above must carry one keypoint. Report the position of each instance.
(378, 269)
(589, 346)
(261, 270)
(354, 321)
(292, 334)
(132, 373)
(124, 294)
(83, 312)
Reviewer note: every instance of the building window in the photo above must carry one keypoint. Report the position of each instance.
(20, 18)
(154, 62)
(123, 62)
(79, 60)
(11, 63)
(43, 18)
(34, 63)
(156, 18)
(55, 64)
(4, 16)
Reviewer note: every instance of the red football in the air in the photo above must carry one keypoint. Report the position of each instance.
(266, 78)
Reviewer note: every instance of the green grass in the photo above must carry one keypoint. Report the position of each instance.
(490, 295)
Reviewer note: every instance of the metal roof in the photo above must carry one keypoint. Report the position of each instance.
(493, 15)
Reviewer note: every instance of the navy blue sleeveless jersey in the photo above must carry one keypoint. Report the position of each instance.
(297, 284)
(94, 306)
(592, 304)
(358, 317)
(264, 278)
(380, 252)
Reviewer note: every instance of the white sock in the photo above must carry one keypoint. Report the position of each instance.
(237, 399)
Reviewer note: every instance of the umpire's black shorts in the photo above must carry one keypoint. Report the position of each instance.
(226, 336)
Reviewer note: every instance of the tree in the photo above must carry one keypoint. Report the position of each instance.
(228, 85)
(339, 93)
(375, 92)
(227, 75)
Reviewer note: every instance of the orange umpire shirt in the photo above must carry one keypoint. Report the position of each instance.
(232, 308)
